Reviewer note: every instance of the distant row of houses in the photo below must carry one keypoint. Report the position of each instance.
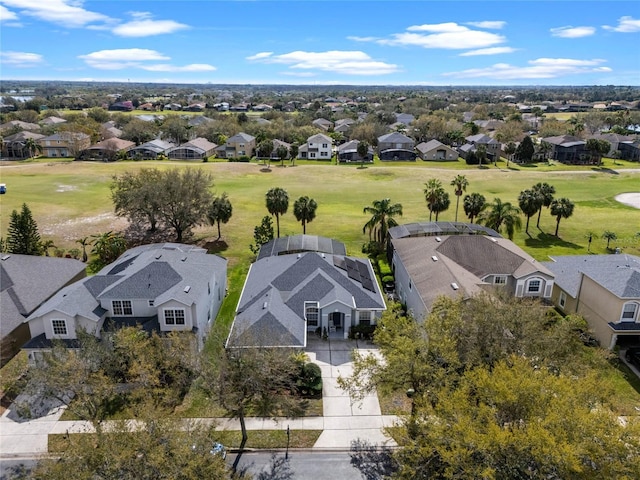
(303, 284)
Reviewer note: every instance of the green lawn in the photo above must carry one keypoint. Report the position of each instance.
(72, 199)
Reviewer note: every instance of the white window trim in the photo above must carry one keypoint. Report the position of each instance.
(562, 301)
(500, 277)
(540, 287)
(53, 328)
(174, 324)
(122, 302)
(635, 314)
(315, 305)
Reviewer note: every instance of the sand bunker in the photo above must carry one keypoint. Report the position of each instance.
(631, 199)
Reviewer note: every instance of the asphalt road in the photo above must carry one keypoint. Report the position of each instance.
(314, 465)
(300, 465)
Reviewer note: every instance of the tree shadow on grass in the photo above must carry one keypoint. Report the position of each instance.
(545, 240)
(266, 170)
(373, 462)
(215, 246)
(605, 170)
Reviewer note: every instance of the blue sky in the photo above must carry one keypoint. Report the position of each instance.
(323, 42)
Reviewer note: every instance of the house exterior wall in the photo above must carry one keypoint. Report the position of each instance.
(440, 153)
(570, 304)
(523, 285)
(319, 150)
(599, 307)
(406, 291)
(140, 307)
(189, 316)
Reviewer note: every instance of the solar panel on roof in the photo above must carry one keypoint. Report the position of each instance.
(280, 245)
(339, 262)
(310, 242)
(365, 277)
(352, 269)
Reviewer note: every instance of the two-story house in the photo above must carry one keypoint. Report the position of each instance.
(318, 147)
(64, 144)
(568, 149)
(460, 260)
(161, 287)
(396, 146)
(604, 289)
(240, 145)
(481, 141)
(300, 285)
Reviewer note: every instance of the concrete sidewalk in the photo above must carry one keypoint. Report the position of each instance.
(342, 423)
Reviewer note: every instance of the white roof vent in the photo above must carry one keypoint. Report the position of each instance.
(187, 288)
(434, 258)
(438, 239)
(5, 257)
(455, 286)
(494, 240)
(264, 305)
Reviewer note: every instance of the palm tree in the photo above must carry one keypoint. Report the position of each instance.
(546, 191)
(529, 202)
(219, 211)
(608, 235)
(432, 190)
(460, 183)
(473, 204)
(32, 147)
(441, 203)
(84, 241)
(499, 214)
(47, 244)
(304, 210)
(561, 208)
(382, 213)
(277, 200)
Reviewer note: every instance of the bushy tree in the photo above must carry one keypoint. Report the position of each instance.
(262, 234)
(525, 150)
(23, 236)
(176, 198)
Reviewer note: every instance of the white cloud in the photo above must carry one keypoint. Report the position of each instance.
(488, 51)
(363, 39)
(299, 74)
(7, 15)
(119, 59)
(260, 56)
(335, 61)
(626, 24)
(494, 25)
(69, 13)
(441, 35)
(21, 59)
(537, 69)
(143, 25)
(194, 67)
(572, 32)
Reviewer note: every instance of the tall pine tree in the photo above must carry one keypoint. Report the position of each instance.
(23, 236)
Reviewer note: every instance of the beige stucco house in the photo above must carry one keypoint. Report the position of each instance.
(604, 289)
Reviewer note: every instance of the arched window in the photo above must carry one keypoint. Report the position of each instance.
(534, 286)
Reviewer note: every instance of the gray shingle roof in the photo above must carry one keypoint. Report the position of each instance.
(27, 281)
(620, 274)
(277, 287)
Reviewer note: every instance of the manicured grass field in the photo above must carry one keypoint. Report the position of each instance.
(70, 200)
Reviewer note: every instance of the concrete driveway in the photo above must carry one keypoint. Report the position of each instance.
(345, 420)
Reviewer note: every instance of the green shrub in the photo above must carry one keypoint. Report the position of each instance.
(388, 279)
(362, 331)
(383, 267)
(310, 379)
